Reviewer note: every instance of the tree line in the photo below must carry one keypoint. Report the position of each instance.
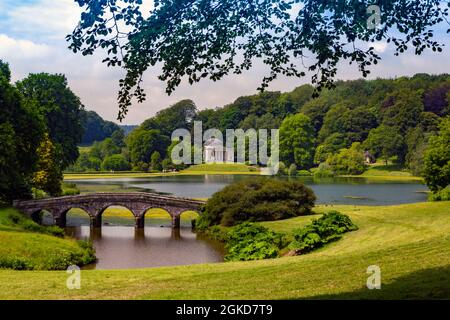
(40, 128)
(392, 120)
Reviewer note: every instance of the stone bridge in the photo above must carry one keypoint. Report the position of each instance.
(95, 204)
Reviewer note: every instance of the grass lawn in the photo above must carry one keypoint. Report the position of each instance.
(36, 250)
(410, 243)
(388, 172)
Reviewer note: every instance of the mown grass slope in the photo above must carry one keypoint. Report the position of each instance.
(411, 244)
(26, 245)
(389, 172)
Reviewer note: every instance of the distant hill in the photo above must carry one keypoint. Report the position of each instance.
(96, 128)
(128, 128)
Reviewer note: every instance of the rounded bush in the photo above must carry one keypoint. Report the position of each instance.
(257, 199)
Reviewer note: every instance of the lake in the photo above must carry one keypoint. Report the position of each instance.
(124, 247)
(356, 191)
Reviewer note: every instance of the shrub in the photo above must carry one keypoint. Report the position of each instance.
(303, 173)
(38, 193)
(281, 169)
(257, 199)
(441, 195)
(249, 241)
(115, 162)
(324, 171)
(15, 263)
(348, 161)
(31, 226)
(328, 228)
(70, 189)
(292, 170)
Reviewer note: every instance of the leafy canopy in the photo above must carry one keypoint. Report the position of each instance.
(297, 141)
(437, 158)
(199, 39)
(260, 199)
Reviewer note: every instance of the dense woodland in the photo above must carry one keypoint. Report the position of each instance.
(388, 119)
(404, 121)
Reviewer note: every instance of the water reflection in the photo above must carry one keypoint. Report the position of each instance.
(119, 247)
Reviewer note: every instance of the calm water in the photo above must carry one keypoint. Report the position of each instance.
(123, 247)
(358, 191)
(119, 246)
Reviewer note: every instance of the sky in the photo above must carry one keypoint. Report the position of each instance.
(32, 40)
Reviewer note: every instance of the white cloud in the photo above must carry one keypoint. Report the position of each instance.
(49, 18)
(21, 49)
(380, 47)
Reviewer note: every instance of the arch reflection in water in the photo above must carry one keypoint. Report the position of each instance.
(119, 247)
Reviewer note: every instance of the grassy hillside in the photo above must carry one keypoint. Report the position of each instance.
(389, 172)
(409, 242)
(26, 245)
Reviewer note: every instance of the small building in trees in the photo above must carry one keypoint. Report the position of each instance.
(368, 157)
(214, 151)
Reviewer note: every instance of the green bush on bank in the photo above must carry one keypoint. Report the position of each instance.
(70, 189)
(18, 220)
(441, 195)
(324, 171)
(319, 232)
(249, 241)
(257, 199)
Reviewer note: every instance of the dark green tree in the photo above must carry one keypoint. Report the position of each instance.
(385, 142)
(330, 146)
(437, 158)
(143, 143)
(22, 129)
(348, 161)
(155, 161)
(95, 128)
(61, 109)
(416, 143)
(178, 116)
(333, 121)
(115, 162)
(118, 138)
(297, 141)
(405, 112)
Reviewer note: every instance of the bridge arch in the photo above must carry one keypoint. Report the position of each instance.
(152, 212)
(41, 215)
(80, 212)
(189, 216)
(108, 213)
